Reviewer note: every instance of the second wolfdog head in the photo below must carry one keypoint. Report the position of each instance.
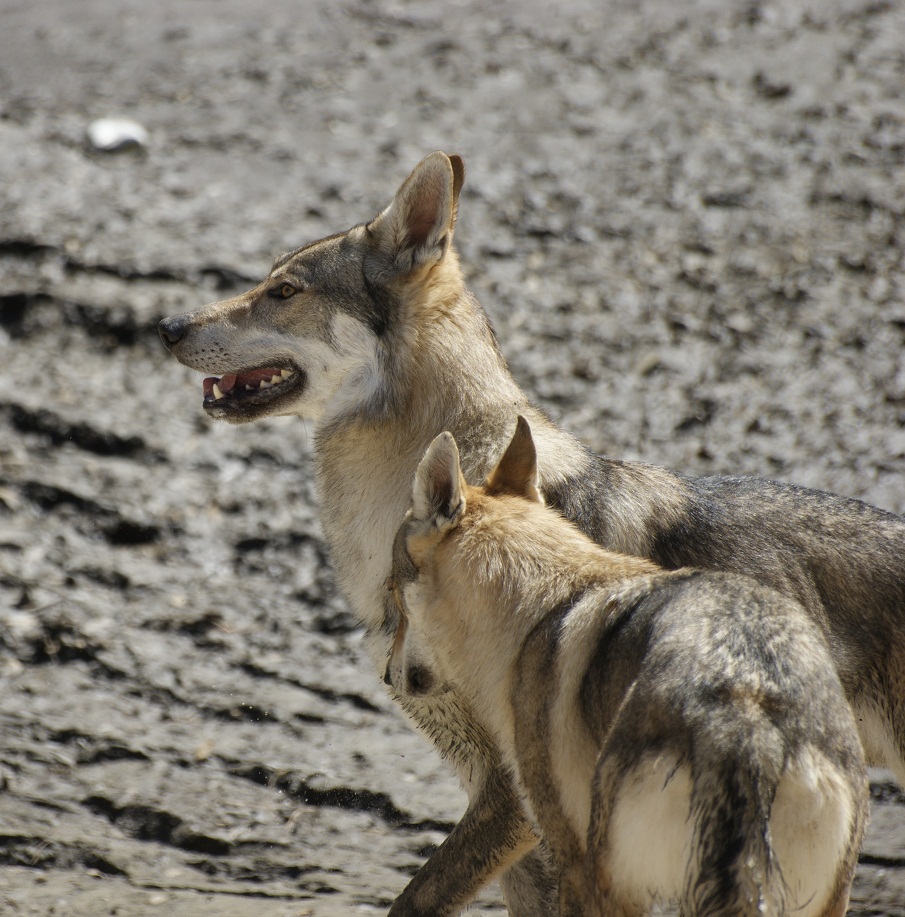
(456, 548)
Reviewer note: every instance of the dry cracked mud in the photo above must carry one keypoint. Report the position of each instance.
(686, 221)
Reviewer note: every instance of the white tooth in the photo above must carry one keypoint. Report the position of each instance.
(285, 373)
(275, 379)
(248, 388)
(217, 393)
(265, 384)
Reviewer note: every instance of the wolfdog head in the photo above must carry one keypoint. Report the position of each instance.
(451, 546)
(316, 337)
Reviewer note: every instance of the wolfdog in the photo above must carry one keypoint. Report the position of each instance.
(679, 736)
(372, 335)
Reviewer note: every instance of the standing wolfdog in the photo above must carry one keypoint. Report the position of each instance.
(373, 336)
(679, 736)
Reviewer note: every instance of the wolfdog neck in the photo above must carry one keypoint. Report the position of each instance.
(440, 370)
(513, 554)
(510, 566)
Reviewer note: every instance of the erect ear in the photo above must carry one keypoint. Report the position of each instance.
(438, 494)
(417, 227)
(516, 472)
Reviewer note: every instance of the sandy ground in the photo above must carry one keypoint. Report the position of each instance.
(686, 220)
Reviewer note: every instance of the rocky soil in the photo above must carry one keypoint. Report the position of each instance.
(686, 220)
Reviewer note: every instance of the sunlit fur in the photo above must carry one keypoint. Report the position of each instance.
(678, 737)
(423, 358)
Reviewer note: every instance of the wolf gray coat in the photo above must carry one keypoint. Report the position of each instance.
(678, 736)
(372, 335)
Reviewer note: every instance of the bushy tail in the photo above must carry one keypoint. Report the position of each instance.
(733, 870)
(775, 834)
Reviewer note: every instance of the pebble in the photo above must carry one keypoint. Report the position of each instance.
(111, 135)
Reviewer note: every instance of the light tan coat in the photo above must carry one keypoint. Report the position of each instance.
(678, 737)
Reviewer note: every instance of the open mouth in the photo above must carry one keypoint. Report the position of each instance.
(244, 392)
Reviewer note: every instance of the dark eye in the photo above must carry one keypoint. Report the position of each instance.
(420, 680)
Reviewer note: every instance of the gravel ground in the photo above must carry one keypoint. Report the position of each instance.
(686, 220)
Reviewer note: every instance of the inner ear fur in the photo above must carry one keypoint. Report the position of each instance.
(438, 492)
(516, 472)
(416, 229)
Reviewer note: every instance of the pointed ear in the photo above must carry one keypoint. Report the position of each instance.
(438, 494)
(516, 472)
(416, 229)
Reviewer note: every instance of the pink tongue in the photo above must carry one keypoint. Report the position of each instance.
(228, 383)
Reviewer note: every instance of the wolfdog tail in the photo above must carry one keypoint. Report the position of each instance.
(774, 833)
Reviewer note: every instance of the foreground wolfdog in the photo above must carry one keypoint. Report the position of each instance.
(372, 335)
(691, 721)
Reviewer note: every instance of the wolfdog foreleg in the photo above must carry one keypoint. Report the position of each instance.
(493, 837)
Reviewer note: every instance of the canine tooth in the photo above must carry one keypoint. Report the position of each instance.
(265, 384)
(285, 373)
(217, 393)
(275, 379)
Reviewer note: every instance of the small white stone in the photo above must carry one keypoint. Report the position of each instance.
(112, 134)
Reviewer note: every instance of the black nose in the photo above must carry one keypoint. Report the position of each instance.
(171, 331)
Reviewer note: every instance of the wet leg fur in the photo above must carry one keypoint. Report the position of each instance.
(492, 815)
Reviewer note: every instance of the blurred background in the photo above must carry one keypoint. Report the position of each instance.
(686, 222)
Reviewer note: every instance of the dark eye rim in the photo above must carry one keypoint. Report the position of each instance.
(283, 290)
